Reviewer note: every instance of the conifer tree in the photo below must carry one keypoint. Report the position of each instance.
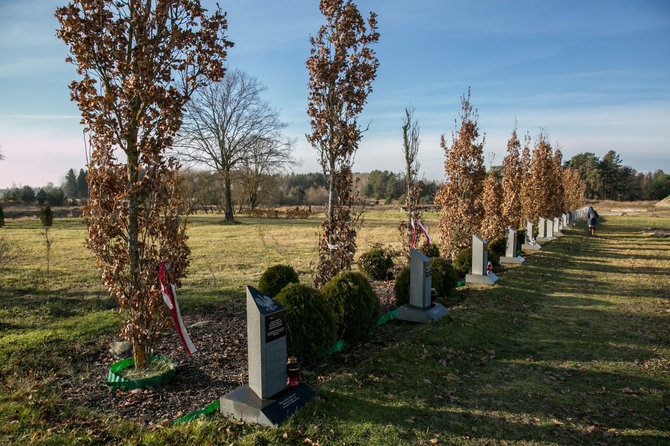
(460, 195)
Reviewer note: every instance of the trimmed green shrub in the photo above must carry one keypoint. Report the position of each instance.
(493, 256)
(431, 250)
(377, 264)
(311, 329)
(444, 276)
(275, 278)
(520, 238)
(498, 246)
(355, 304)
(401, 287)
(46, 216)
(463, 262)
(2, 217)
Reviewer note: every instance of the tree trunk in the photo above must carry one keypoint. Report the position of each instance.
(140, 355)
(229, 217)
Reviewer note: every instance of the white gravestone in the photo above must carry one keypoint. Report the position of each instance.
(543, 231)
(529, 242)
(510, 250)
(480, 262)
(558, 231)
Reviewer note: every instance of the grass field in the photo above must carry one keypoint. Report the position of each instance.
(569, 348)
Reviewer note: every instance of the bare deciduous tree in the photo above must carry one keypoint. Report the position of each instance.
(410, 150)
(128, 54)
(225, 123)
(342, 67)
(266, 158)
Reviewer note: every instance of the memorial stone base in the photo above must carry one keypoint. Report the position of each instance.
(531, 247)
(421, 315)
(517, 259)
(488, 279)
(243, 404)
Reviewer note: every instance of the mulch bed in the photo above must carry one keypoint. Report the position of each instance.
(219, 366)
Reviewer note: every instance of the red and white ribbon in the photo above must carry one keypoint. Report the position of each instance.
(415, 222)
(489, 267)
(335, 247)
(170, 298)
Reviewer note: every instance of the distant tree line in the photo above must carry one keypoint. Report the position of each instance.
(73, 187)
(609, 179)
(391, 187)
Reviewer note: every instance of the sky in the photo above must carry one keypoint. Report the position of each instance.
(595, 75)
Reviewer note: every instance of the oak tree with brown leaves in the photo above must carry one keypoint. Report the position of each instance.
(540, 187)
(460, 195)
(139, 62)
(512, 182)
(493, 223)
(342, 67)
(573, 189)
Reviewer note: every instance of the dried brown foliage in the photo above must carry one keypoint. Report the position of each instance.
(540, 189)
(139, 63)
(525, 163)
(493, 223)
(342, 67)
(558, 191)
(512, 180)
(573, 189)
(276, 213)
(460, 195)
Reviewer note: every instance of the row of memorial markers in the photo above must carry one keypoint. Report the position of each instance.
(268, 398)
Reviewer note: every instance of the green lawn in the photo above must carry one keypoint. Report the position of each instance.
(569, 348)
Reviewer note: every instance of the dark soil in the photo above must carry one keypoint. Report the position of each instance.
(219, 365)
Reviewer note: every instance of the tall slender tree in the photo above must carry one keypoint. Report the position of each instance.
(460, 195)
(557, 189)
(410, 150)
(541, 183)
(512, 181)
(493, 224)
(342, 66)
(138, 63)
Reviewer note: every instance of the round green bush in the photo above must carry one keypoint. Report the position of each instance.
(46, 216)
(401, 287)
(520, 238)
(498, 246)
(311, 329)
(275, 278)
(355, 304)
(431, 250)
(444, 276)
(463, 262)
(493, 256)
(377, 264)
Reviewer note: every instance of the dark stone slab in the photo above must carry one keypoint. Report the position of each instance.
(244, 404)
